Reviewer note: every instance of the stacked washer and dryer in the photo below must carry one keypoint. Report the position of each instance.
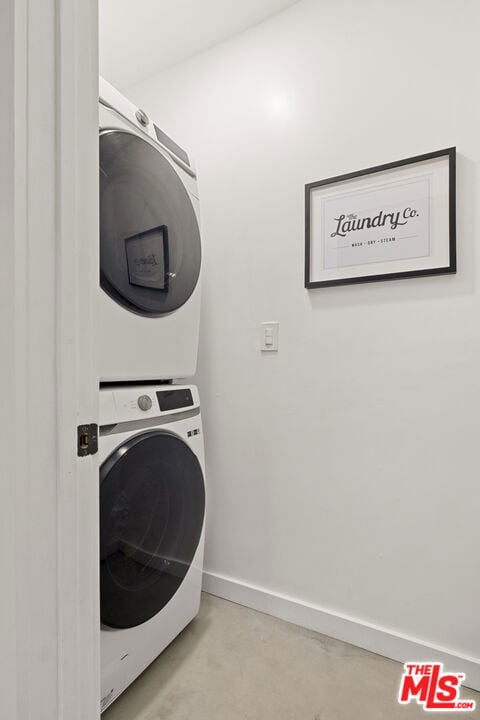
(152, 485)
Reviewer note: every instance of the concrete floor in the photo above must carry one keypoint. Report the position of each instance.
(233, 663)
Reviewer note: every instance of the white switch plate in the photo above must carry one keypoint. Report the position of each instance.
(269, 337)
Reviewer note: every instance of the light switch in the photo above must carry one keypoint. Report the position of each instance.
(269, 337)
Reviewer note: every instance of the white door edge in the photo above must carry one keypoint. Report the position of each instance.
(49, 626)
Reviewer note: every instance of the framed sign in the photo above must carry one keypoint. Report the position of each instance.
(383, 223)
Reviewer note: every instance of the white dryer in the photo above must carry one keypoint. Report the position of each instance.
(150, 248)
(152, 513)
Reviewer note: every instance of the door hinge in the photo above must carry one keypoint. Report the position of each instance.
(87, 439)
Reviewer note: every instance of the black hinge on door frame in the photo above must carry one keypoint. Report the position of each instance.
(87, 439)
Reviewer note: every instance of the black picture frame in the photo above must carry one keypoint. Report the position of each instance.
(146, 282)
(451, 267)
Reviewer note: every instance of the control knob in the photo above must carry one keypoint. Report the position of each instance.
(142, 117)
(144, 402)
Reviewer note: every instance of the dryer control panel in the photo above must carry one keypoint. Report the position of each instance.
(138, 402)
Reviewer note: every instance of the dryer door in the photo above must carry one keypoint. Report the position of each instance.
(152, 506)
(150, 251)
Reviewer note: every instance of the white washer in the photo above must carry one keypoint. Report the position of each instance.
(152, 513)
(150, 248)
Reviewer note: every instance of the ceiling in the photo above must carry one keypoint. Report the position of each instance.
(140, 39)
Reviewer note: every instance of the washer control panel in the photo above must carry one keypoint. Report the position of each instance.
(126, 404)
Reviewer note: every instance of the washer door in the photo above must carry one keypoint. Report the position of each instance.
(150, 250)
(152, 506)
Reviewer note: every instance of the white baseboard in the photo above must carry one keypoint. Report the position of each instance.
(355, 632)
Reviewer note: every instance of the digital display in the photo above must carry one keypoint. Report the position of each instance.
(174, 399)
(168, 143)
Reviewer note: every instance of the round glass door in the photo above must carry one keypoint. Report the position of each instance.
(150, 251)
(152, 506)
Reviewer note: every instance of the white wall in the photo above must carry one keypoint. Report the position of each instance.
(342, 472)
